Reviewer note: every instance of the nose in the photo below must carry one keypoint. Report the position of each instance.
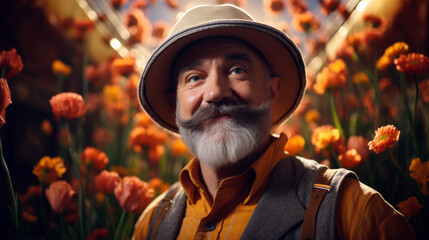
(217, 88)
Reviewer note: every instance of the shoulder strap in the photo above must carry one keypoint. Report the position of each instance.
(320, 188)
(162, 209)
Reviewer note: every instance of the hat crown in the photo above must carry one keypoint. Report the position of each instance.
(207, 13)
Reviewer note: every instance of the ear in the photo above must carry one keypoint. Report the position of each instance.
(274, 87)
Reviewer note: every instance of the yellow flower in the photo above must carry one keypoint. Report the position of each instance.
(295, 144)
(52, 168)
(324, 135)
(409, 207)
(60, 68)
(360, 77)
(395, 50)
(383, 62)
(334, 75)
(420, 173)
(384, 138)
(112, 94)
(312, 115)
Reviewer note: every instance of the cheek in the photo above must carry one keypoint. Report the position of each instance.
(251, 93)
(189, 102)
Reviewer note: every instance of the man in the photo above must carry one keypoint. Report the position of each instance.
(223, 81)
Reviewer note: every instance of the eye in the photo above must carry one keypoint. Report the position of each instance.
(238, 70)
(194, 78)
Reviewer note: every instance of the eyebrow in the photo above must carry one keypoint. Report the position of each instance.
(239, 56)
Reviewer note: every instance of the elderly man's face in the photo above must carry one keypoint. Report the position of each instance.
(224, 99)
(216, 70)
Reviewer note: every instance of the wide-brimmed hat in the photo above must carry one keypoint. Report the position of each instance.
(157, 90)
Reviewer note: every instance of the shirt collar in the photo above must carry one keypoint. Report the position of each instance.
(191, 180)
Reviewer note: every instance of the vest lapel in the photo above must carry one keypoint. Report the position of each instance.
(281, 208)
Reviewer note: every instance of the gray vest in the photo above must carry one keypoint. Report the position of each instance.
(280, 211)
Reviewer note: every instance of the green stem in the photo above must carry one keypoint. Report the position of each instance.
(335, 114)
(120, 226)
(3, 72)
(410, 117)
(107, 212)
(75, 164)
(335, 163)
(43, 212)
(395, 162)
(10, 190)
(127, 229)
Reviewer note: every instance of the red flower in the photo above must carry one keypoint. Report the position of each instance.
(409, 207)
(384, 138)
(350, 159)
(412, 63)
(133, 194)
(98, 159)
(106, 181)
(4, 100)
(68, 105)
(59, 195)
(11, 62)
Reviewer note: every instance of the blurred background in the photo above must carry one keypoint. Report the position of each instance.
(106, 43)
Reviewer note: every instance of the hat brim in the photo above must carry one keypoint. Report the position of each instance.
(155, 91)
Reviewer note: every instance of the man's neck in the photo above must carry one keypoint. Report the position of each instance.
(212, 177)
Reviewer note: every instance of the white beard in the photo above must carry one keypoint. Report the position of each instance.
(228, 140)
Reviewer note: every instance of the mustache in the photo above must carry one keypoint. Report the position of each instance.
(237, 111)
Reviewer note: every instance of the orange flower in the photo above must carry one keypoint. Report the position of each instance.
(178, 148)
(305, 22)
(384, 138)
(82, 26)
(98, 233)
(312, 115)
(297, 6)
(98, 159)
(295, 144)
(376, 21)
(383, 62)
(409, 207)
(396, 50)
(59, 195)
(106, 181)
(11, 62)
(274, 6)
(161, 29)
(60, 68)
(412, 63)
(123, 66)
(68, 105)
(151, 136)
(329, 6)
(46, 127)
(139, 26)
(52, 168)
(133, 194)
(360, 144)
(360, 77)
(324, 135)
(420, 173)
(350, 159)
(112, 95)
(174, 4)
(155, 153)
(5, 100)
(354, 39)
(141, 119)
(332, 76)
(118, 3)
